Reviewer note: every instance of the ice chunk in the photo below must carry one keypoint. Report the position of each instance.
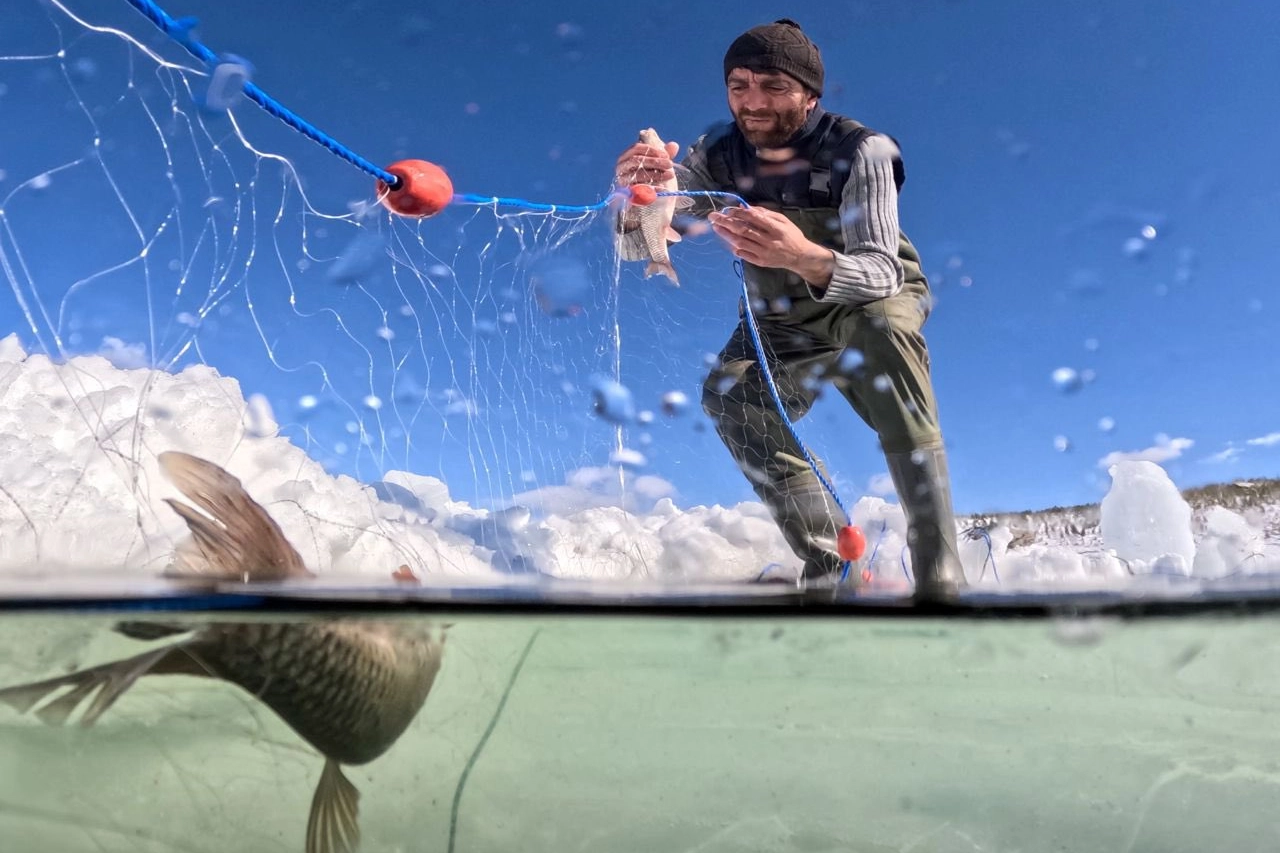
(1145, 519)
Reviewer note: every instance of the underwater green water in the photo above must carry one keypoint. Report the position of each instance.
(635, 733)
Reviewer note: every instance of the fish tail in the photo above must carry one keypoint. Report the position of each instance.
(109, 681)
(662, 268)
(333, 826)
(232, 536)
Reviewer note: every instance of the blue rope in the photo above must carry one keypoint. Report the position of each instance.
(754, 329)
(180, 31)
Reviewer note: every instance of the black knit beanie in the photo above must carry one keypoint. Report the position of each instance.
(779, 46)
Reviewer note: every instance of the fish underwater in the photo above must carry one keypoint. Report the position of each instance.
(655, 219)
(349, 688)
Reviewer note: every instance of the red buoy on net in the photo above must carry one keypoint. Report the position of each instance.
(850, 543)
(424, 189)
(643, 194)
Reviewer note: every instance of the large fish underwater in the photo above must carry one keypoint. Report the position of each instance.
(348, 688)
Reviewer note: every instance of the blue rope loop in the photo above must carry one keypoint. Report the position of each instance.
(754, 330)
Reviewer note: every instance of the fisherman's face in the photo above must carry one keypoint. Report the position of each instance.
(769, 106)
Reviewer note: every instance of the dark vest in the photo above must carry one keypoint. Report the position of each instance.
(805, 189)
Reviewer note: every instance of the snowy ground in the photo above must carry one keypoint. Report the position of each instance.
(82, 494)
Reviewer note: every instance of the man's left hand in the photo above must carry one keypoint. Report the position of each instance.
(766, 238)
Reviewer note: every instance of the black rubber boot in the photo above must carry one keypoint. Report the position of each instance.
(924, 489)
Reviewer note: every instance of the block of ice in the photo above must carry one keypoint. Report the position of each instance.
(1144, 518)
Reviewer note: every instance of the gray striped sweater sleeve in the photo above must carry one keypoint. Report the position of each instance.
(868, 268)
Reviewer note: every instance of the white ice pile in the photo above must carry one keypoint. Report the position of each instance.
(81, 492)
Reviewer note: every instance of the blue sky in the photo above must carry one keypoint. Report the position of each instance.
(1040, 141)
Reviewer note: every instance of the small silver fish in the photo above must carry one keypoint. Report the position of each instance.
(349, 688)
(655, 219)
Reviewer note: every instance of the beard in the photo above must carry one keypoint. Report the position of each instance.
(776, 130)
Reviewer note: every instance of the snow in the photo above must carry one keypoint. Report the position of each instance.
(83, 496)
(1145, 519)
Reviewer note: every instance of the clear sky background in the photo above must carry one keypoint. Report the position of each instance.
(1092, 186)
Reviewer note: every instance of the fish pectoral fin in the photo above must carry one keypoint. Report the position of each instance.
(334, 826)
(109, 681)
(673, 236)
(233, 537)
(683, 201)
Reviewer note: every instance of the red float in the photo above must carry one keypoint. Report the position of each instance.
(424, 189)
(850, 543)
(643, 194)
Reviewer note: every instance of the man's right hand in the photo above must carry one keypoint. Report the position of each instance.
(644, 164)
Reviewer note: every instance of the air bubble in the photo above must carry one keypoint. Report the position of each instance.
(373, 402)
(40, 182)
(1061, 443)
(1106, 424)
(307, 402)
(883, 383)
(385, 333)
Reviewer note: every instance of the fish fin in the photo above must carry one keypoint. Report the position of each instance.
(660, 268)
(334, 824)
(234, 537)
(109, 681)
(683, 201)
(673, 236)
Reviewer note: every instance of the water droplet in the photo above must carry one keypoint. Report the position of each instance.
(612, 401)
(259, 421)
(628, 458)
(674, 403)
(1067, 380)
(361, 257)
(561, 286)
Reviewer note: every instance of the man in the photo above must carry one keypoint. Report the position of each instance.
(837, 290)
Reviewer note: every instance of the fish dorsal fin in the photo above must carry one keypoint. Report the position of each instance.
(232, 536)
(334, 826)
